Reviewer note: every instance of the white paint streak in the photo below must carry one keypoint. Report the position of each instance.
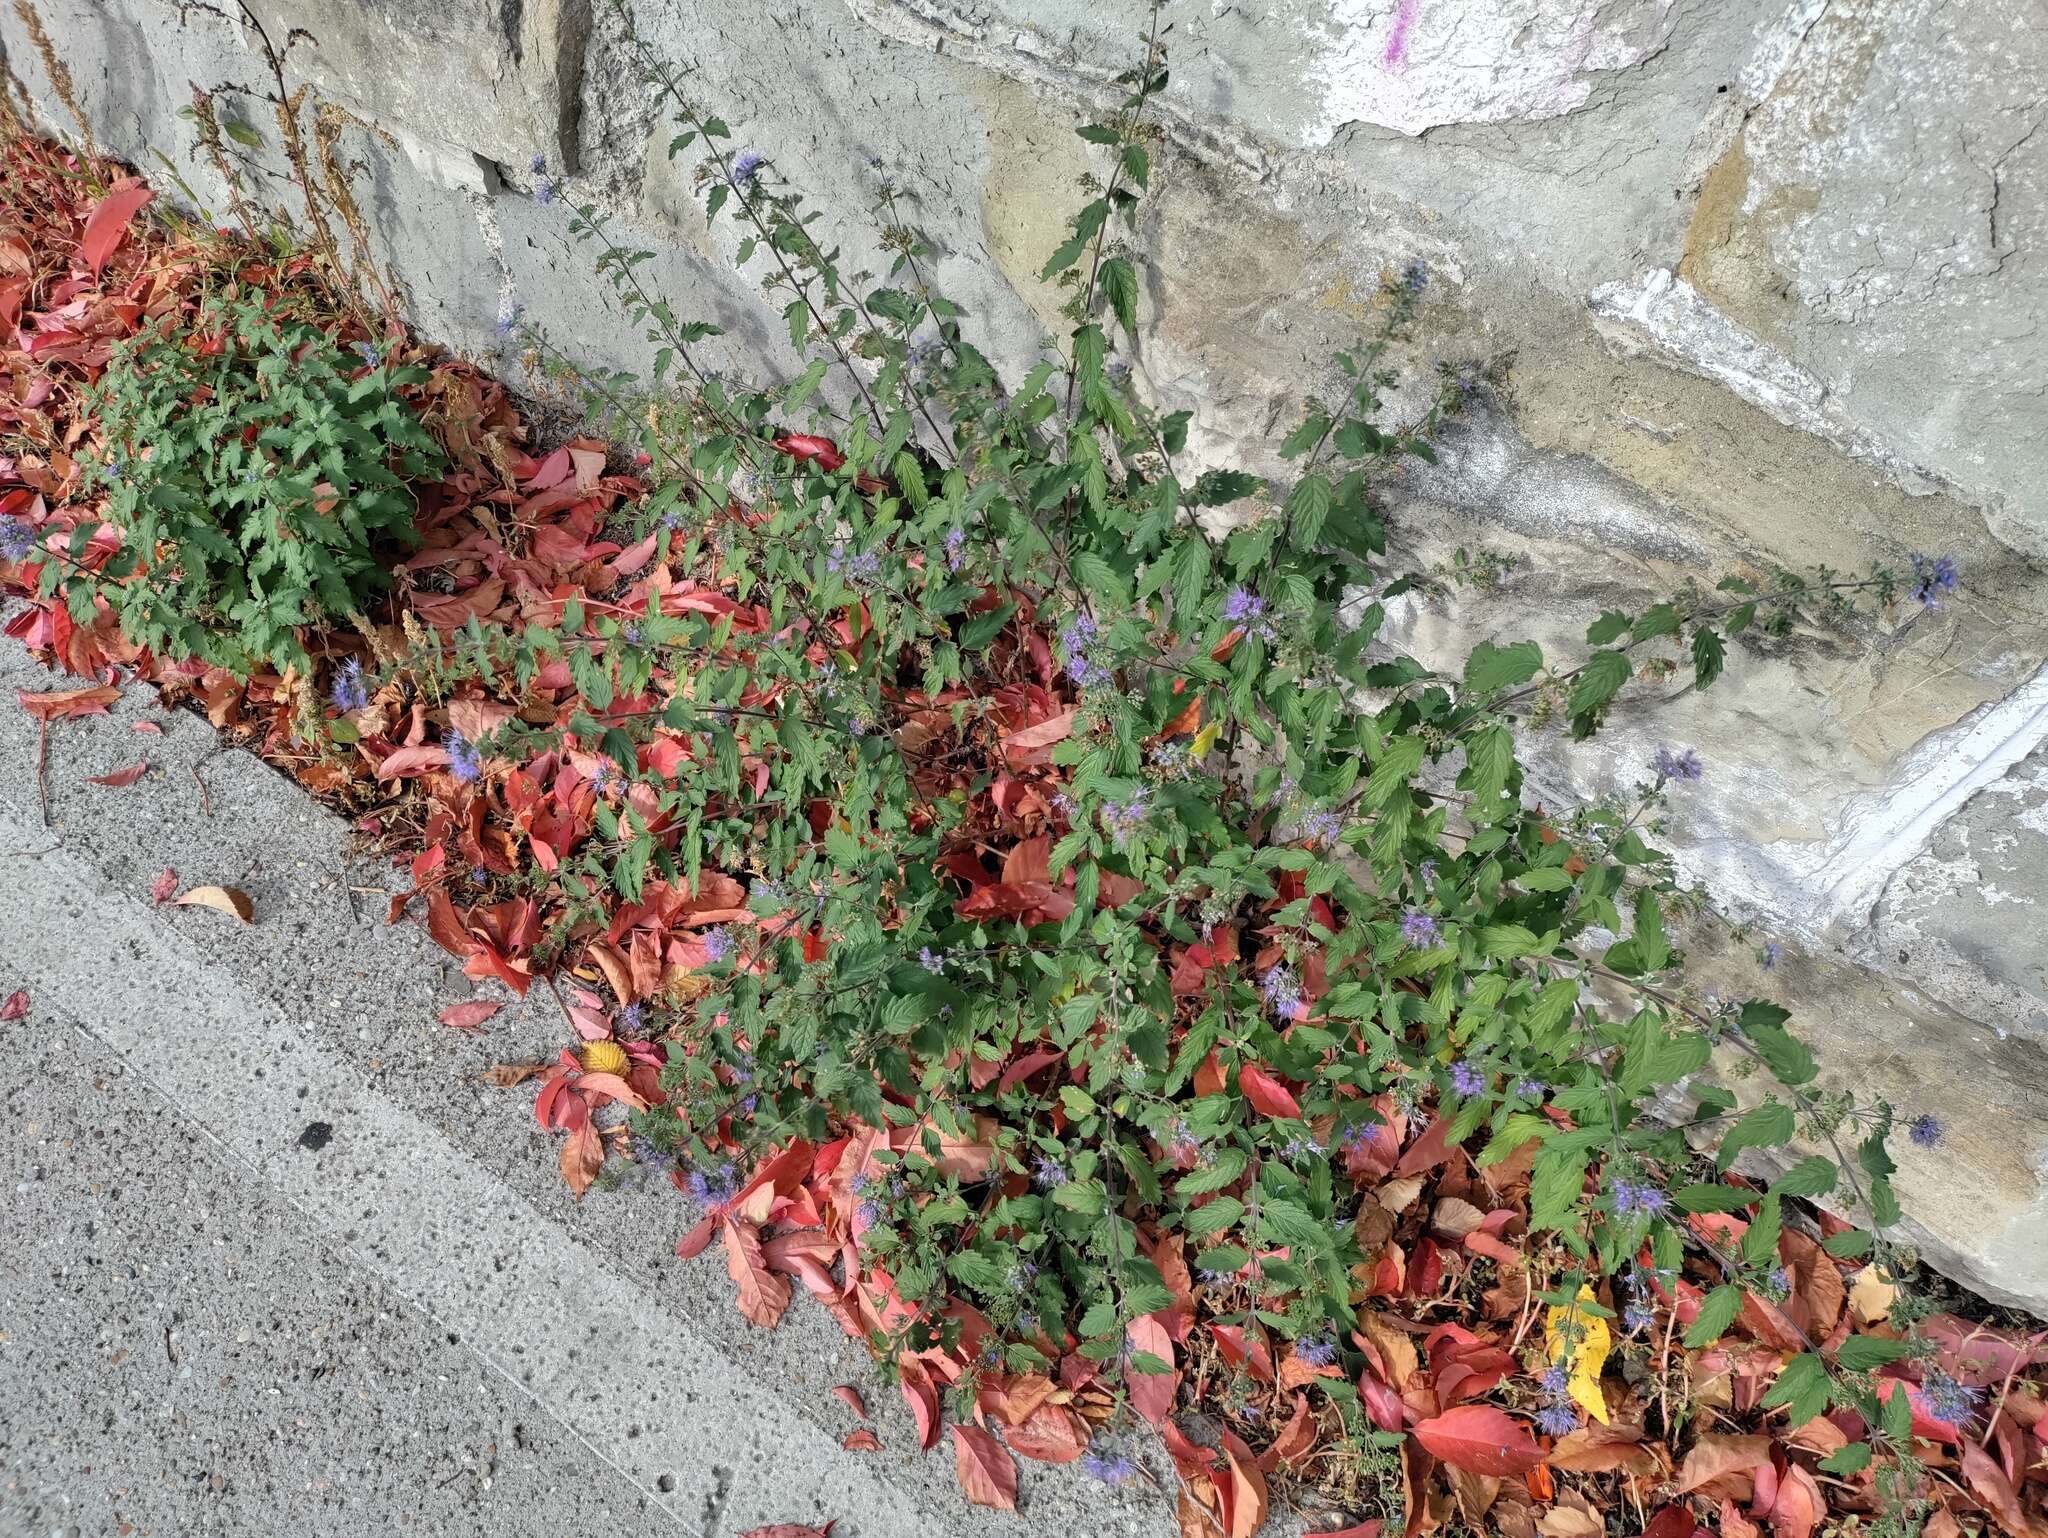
(1660, 312)
(1839, 882)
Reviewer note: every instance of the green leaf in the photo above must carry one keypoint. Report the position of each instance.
(1852, 1459)
(1308, 506)
(1599, 681)
(1861, 1353)
(1769, 1125)
(1803, 1386)
(1120, 288)
(1812, 1176)
(1708, 657)
(1493, 667)
(1717, 1311)
(1190, 578)
(1847, 1245)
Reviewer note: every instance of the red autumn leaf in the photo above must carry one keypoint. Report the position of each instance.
(16, 1005)
(1152, 1393)
(987, 1472)
(1241, 1488)
(763, 1294)
(915, 1382)
(105, 225)
(1672, 1522)
(1267, 1095)
(582, 1156)
(803, 446)
(470, 1015)
(405, 763)
(164, 888)
(862, 1441)
(851, 1396)
(1799, 1505)
(1480, 1439)
(146, 726)
(1051, 1434)
(1995, 1490)
(65, 704)
(121, 779)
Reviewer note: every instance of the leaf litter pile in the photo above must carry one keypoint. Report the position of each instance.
(1456, 1360)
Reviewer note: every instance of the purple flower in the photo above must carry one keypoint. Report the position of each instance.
(349, 692)
(932, 961)
(1554, 1380)
(1932, 576)
(543, 191)
(633, 1019)
(508, 318)
(1315, 1352)
(648, 1153)
(1281, 989)
(1110, 1468)
(538, 165)
(1243, 606)
(1419, 929)
(1677, 766)
(956, 542)
(1323, 828)
(861, 567)
(370, 354)
(16, 539)
(1925, 1130)
(1947, 1399)
(1531, 1089)
(1121, 819)
(1415, 276)
(1047, 1172)
(1182, 1144)
(1468, 1078)
(717, 945)
(1022, 1278)
(1427, 871)
(746, 165)
(714, 1192)
(463, 761)
(1772, 954)
(1638, 1316)
(1557, 1420)
(869, 1212)
(1078, 641)
(1637, 1196)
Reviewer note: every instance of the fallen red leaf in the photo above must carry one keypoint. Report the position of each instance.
(987, 1472)
(65, 704)
(121, 779)
(862, 1441)
(763, 1294)
(16, 1005)
(164, 888)
(1152, 1393)
(851, 1395)
(1480, 1440)
(108, 221)
(1991, 1486)
(582, 1156)
(1267, 1095)
(468, 1016)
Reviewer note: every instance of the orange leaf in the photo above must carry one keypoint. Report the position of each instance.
(987, 1472)
(1799, 1505)
(582, 1154)
(851, 1395)
(916, 1386)
(763, 1294)
(1481, 1440)
(107, 222)
(862, 1441)
(121, 779)
(1243, 1491)
(1051, 1434)
(1267, 1095)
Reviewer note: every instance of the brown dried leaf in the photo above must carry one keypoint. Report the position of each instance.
(1713, 1456)
(582, 1156)
(1454, 1218)
(1871, 1297)
(505, 1075)
(222, 899)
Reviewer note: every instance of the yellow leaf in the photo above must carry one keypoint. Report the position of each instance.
(1205, 741)
(1584, 1338)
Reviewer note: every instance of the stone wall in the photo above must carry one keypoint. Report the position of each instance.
(1768, 274)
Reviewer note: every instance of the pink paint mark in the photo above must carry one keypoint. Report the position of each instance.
(1397, 39)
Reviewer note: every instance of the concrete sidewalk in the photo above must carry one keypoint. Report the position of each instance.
(278, 1261)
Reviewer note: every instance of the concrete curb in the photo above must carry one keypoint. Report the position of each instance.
(437, 1186)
